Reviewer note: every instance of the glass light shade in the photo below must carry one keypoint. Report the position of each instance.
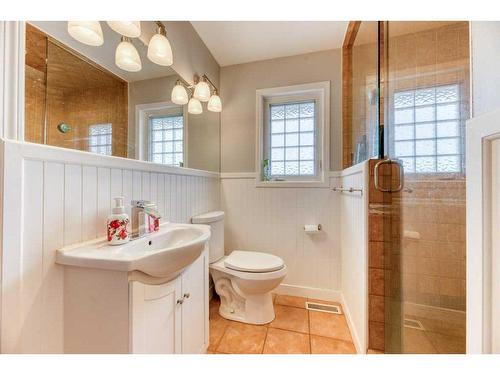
(194, 106)
(202, 91)
(160, 51)
(87, 32)
(131, 29)
(179, 95)
(214, 104)
(127, 57)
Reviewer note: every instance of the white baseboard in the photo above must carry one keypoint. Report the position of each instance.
(303, 291)
(352, 327)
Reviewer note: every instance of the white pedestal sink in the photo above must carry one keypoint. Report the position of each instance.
(163, 254)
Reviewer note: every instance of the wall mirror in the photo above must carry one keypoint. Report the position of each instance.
(77, 97)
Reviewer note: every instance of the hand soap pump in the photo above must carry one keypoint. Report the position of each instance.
(118, 224)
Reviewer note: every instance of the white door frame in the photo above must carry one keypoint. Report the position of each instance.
(481, 132)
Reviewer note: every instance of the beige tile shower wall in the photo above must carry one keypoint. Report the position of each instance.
(57, 197)
(364, 86)
(272, 219)
(434, 264)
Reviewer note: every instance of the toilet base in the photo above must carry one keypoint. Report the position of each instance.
(257, 309)
(242, 307)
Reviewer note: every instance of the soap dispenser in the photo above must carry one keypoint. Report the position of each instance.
(118, 224)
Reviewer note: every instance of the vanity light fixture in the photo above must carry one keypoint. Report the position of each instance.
(199, 92)
(131, 29)
(194, 106)
(127, 57)
(215, 104)
(159, 49)
(86, 32)
(179, 93)
(202, 90)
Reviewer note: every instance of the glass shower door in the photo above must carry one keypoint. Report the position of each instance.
(426, 102)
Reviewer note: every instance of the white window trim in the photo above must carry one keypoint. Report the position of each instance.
(142, 113)
(322, 90)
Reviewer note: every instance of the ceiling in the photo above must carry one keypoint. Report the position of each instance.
(105, 55)
(237, 42)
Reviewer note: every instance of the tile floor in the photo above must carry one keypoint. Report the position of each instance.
(294, 331)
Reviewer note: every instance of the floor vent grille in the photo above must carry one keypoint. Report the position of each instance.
(332, 309)
(415, 324)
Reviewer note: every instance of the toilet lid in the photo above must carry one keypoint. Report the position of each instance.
(252, 261)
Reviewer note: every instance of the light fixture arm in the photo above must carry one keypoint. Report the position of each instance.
(187, 86)
(161, 28)
(205, 77)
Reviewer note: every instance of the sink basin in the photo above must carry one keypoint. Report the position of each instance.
(164, 253)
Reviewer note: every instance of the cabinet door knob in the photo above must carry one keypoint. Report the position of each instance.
(186, 295)
(180, 301)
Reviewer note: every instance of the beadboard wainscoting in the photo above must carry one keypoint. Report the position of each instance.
(57, 197)
(272, 220)
(354, 251)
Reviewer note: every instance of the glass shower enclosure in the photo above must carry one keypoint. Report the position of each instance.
(408, 102)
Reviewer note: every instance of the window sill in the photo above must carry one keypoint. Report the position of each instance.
(293, 184)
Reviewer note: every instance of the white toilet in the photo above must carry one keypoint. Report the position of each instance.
(244, 279)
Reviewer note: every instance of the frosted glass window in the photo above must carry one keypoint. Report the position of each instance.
(292, 139)
(427, 129)
(167, 140)
(100, 139)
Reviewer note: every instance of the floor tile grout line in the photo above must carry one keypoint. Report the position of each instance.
(265, 339)
(222, 336)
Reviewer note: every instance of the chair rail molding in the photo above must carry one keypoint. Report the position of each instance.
(12, 43)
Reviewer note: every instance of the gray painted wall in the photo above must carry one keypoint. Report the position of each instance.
(238, 86)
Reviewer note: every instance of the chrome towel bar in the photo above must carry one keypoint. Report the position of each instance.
(349, 190)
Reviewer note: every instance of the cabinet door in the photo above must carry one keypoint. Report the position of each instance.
(195, 307)
(156, 318)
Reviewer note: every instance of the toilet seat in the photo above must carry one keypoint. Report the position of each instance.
(253, 261)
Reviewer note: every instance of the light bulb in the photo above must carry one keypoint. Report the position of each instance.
(194, 106)
(131, 29)
(179, 95)
(202, 91)
(215, 104)
(127, 57)
(160, 51)
(87, 32)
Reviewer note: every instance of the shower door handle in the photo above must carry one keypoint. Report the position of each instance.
(379, 187)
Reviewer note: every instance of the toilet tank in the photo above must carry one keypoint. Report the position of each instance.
(216, 221)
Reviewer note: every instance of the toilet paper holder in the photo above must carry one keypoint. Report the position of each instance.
(312, 228)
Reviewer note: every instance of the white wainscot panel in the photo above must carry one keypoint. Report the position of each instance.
(272, 219)
(55, 197)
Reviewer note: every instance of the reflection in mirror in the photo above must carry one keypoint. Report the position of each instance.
(73, 102)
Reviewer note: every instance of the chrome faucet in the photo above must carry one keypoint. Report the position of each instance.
(142, 211)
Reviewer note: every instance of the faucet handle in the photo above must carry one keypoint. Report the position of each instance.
(140, 203)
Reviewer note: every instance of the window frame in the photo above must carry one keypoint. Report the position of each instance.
(151, 117)
(90, 136)
(320, 93)
(142, 142)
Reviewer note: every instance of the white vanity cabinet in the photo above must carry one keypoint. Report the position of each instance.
(119, 312)
(172, 317)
